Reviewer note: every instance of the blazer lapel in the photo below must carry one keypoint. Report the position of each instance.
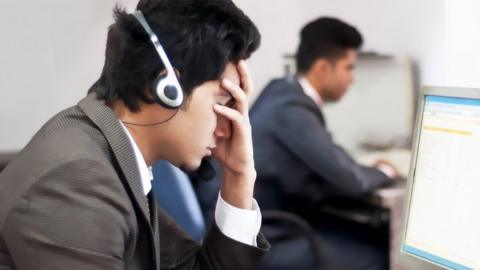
(106, 120)
(156, 228)
(308, 101)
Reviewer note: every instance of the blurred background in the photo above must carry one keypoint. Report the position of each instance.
(51, 51)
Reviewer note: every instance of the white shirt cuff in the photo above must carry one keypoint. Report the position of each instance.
(238, 224)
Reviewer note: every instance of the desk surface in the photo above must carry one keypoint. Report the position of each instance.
(400, 158)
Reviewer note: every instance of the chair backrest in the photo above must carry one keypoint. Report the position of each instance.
(175, 195)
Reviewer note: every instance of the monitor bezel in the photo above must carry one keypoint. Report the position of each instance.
(406, 259)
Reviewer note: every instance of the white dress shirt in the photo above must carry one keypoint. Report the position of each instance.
(242, 225)
(310, 91)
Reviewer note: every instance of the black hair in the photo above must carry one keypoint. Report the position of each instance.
(327, 38)
(200, 38)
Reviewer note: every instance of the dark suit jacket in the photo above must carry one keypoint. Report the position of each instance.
(73, 199)
(296, 160)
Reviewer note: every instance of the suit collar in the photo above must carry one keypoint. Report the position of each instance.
(297, 88)
(146, 175)
(310, 91)
(106, 120)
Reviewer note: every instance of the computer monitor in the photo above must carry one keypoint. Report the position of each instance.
(442, 215)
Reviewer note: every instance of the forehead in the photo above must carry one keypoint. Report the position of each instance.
(214, 87)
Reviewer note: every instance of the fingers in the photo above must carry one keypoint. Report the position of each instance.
(245, 78)
(239, 114)
(241, 99)
(238, 120)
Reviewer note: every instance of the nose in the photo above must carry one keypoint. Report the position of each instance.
(223, 128)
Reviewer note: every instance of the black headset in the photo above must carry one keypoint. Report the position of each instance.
(166, 87)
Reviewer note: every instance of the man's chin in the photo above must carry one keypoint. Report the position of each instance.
(190, 167)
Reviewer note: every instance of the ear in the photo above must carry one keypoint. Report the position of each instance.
(322, 67)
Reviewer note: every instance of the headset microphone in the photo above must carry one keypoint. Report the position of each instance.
(206, 171)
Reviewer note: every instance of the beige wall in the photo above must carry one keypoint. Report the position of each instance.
(51, 51)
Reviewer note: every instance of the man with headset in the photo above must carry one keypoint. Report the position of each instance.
(79, 195)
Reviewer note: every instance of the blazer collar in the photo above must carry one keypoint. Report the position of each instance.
(106, 120)
(297, 88)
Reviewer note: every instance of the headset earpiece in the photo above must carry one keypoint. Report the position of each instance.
(166, 87)
(167, 93)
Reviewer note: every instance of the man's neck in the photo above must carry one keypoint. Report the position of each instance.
(314, 81)
(140, 138)
(142, 144)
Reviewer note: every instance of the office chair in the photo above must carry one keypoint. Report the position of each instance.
(175, 195)
(294, 244)
(293, 241)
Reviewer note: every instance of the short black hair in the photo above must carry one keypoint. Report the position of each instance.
(200, 38)
(328, 38)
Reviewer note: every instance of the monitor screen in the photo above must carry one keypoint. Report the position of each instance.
(443, 222)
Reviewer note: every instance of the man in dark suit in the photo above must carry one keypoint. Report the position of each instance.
(299, 166)
(79, 195)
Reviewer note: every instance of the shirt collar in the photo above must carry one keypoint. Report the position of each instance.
(310, 91)
(146, 174)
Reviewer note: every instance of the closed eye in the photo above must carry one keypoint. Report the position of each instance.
(230, 102)
(226, 99)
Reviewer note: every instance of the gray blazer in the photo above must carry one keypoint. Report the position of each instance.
(296, 160)
(73, 199)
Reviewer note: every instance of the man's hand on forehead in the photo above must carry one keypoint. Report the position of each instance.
(226, 99)
(235, 154)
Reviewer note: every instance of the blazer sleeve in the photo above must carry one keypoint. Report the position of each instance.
(298, 128)
(217, 251)
(67, 221)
